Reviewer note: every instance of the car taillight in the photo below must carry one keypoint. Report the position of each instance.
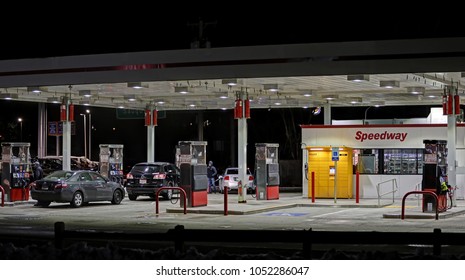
(159, 176)
(61, 186)
(129, 176)
(250, 178)
(226, 178)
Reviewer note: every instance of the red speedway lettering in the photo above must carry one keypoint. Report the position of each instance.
(362, 136)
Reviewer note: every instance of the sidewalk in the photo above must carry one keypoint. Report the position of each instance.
(413, 208)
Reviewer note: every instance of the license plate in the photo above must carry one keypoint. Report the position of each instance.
(142, 181)
(236, 179)
(45, 188)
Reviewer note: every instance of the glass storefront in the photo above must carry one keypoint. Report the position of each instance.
(389, 161)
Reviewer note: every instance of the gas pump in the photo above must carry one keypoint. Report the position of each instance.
(267, 171)
(111, 162)
(191, 158)
(434, 170)
(16, 168)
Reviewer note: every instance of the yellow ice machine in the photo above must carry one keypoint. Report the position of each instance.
(322, 161)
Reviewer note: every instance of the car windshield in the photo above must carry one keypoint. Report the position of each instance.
(146, 168)
(59, 175)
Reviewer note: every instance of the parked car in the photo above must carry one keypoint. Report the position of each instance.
(76, 187)
(146, 178)
(230, 178)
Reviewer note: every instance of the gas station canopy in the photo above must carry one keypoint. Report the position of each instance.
(395, 72)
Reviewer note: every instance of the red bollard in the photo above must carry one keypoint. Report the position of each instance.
(357, 187)
(225, 192)
(313, 187)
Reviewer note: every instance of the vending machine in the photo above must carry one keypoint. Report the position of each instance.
(16, 170)
(111, 162)
(267, 171)
(191, 158)
(434, 171)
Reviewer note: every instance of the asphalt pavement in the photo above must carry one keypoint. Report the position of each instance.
(290, 212)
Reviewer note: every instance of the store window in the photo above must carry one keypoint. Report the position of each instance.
(403, 161)
(366, 161)
(389, 161)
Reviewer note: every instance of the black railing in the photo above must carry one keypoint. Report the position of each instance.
(307, 238)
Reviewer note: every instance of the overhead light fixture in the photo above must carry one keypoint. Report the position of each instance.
(355, 100)
(137, 85)
(34, 89)
(9, 96)
(229, 82)
(222, 95)
(330, 97)
(307, 94)
(182, 90)
(389, 84)
(130, 97)
(85, 102)
(416, 90)
(53, 99)
(378, 103)
(85, 93)
(271, 87)
(358, 78)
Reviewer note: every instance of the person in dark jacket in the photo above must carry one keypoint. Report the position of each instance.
(38, 171)
(211, 173)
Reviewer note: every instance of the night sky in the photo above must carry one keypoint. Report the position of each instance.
(81, 29)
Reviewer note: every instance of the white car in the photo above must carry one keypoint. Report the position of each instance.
(230, 178)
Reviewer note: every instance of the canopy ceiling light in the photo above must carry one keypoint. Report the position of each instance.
(271, 87)
(85, 102)
(34, 89)
(222, 94)
(355, 100)
(378, 103)
(85, 93)
(9, 96)
(416, 90)
(307, 93)
(137, 85)
(358, 78)
(130, 97)
(53, 99)
(229, 82)
(330, 97)
(182, 90)
(389, 84)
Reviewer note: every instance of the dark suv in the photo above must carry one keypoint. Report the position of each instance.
(146, 178)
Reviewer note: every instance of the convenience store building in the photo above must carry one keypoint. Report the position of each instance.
(379, 152)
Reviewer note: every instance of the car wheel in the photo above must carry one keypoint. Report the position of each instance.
(117, 197)
(77, 200)
(42, 203)
(132, 196)
(168, 193)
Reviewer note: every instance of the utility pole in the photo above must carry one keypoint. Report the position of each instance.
(201, 41)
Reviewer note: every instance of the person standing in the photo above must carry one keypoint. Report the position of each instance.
(211, 173)
(38, 171)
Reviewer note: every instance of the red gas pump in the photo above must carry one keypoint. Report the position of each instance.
(191, 160)
(15, 170)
